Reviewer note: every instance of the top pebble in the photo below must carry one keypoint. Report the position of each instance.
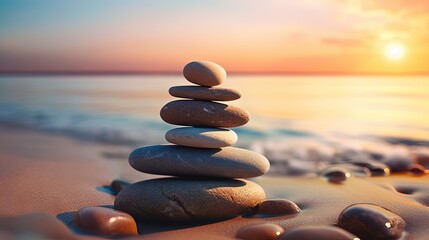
(204, 73)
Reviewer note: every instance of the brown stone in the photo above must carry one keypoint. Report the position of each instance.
(370, 221)
(105, 221)
(205, 93)
(204, 73)
(266, 231)
(203, 114)
(202, 137)
(181, 199)
(277, 206)
(416, 169)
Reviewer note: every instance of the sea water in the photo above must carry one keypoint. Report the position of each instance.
(288, 111)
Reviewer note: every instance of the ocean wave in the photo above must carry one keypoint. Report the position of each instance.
(290, 151)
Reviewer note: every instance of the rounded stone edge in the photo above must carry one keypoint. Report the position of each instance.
(206, 68)
(187, 143)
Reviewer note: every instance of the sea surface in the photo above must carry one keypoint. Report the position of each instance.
(297, 113)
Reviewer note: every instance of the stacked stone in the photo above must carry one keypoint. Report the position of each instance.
(208, 172)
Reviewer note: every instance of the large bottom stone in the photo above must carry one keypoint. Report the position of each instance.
(181, 199)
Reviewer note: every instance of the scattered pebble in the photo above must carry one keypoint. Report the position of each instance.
(336, 174)
(204, 73)
(398, 163)
(356, 171)
(317, 232)
(118, 184)
(105, 221)
(416, 169)
(377, 169)
(266, 231)
(370, 221)
(277, 207)
(422, 158)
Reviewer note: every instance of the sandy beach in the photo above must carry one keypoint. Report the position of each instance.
(67, 175)
(274, 120)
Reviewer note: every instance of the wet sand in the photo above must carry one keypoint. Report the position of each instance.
(67, 175)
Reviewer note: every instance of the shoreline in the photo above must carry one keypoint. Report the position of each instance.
(65, 174)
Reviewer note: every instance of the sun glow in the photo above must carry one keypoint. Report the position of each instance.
(394, 51)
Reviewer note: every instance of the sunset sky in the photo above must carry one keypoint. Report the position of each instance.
(309, 36)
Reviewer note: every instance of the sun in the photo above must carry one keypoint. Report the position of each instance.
(395, 51)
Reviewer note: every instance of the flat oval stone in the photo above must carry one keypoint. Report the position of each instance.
(318, 232)
(202, 137)
(203, 114)
(205, 93)
(276, 207)
(335, 174)
(265, 231)
(370, 221)
(105, 221)
(376, 168)
(398, 163)
(204, 73)
(416, 169)
(181, 199)
(176, 160)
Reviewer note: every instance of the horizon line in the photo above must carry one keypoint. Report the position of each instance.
(142, 72)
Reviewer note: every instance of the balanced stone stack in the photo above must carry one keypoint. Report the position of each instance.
(208, 174)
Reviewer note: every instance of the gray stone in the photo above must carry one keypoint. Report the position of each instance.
(202, 137)
(176, 160)
(205, 93)
(203, 114)
(204, 73)
(179, 199)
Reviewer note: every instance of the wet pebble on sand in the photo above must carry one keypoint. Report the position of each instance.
(276, 207)
(266, 231)
(105, 221)
(370, 221)
(336, 174)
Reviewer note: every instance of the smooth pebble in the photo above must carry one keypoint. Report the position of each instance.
(398, 163)
(377, 168)
(202, 137)
(265, 231)
(276, 207)
(181, 199)
(336, 174)
(105, 221)
(416, 169)
(370, 221)
(204, 73)
(205, 93)
(177, 160)
(203, 114)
